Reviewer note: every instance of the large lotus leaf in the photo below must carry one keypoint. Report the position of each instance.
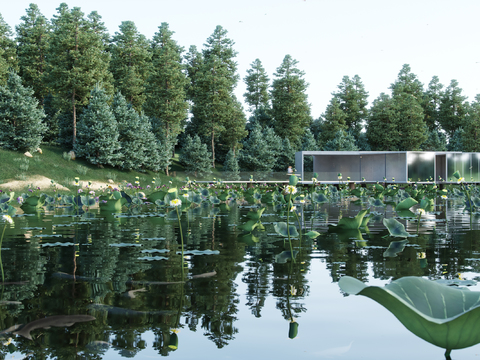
(157, 195)
(214, 200)
(284, 256)
(88, 201)
(35, 201)
(394, 248)
(395, 227)
(249, 225)
(406, 214)
(111, 205)
(255, 214)
(443, 316)
(204, 192)
(223, 196)
(268, 197)
(406, 204)
(352, 223)
(312, 234)
(379, 187)
(6, 197)
(375, 202)
(281, 229)
(358, 192)
(319, 198)
(197, 199)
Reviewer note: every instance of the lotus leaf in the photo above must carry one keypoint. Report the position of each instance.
(223, 196)
(443, 316)
(111, 205)
(284, 256)
(375, 202)
(281, 229)
(394, 248)
(35, 201)
(319, 198)
(406, 214)
(395, 227)
(256, 214)
(312, 234)
(204, 192)
(406, 204)
(214, 200)
(249, 225)
(352, 223)
(157, 195)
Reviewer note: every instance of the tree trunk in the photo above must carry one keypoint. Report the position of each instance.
(74, 118)
(213, 149)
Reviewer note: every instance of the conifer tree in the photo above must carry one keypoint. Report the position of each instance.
(352, 99)
(407, 83)
(97, 139)
(334, 120)
(231, 167)
(257, 96)
(308, 144)
(290, 108)
(32, 39)
(195, 156)
(381, 128)
(436, 141)
(131, 134)
(455, 143)
(452, 108)
(285, 157)
(21, 119)
(214, 105)
(260, 150)
(410, 125)
(431, 103)
(8, 53)
(76, 61)
(471, 136)
(157, 154)
(235, 129)
(165, 87)
(130, 64)
(341, 142)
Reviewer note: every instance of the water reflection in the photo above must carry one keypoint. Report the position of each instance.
(126, 270)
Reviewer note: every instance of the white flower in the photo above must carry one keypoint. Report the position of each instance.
(460, 180)
(420, 211)
(293, 291)
(8, 218)
(444, 197)
(185, 196)
(290, 189)
(175, 202)
(292, 208)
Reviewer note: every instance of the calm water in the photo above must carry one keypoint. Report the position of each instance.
(234, 299)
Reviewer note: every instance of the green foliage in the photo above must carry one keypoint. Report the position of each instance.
(453, 109)
(21, 120)
(285, 156)
(395, 228)
(231, 167)
(77, 60)
(471, 136)
(257, 96)
(130, 63)
(195, 156)
(455, 143)
(97, 139)
(32, 38)
(436, 141)
(8, 53)
(431, 103)
(352, 99)
(333, 122)
(341, 142)
(165, 87)
(290, 108)
(260, 150)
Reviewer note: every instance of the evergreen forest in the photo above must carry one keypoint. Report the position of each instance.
(129, 102)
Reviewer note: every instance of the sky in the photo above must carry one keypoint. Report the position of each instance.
(329, 39)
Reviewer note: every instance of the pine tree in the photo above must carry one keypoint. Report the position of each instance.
(285, 157)
(131, 134)
(452, 108)
(308, 144)
(407, 83)
(21, 126)
(257, 96)
(97, 139)
(471, 136)
(52, 119)
(290, 109)
(334, 120)
(32, 39)
(214, 81)
(341, 142)
(157, 154)
(381, 128)
(352, 99)
(235, 128)
(431, 103)
(231, 167)
(260, 150)
(410, 125)
(455, 143)
(195, 156)
(165, 87)
(436, 141)
(130, 64)
(8, 53)
(76, 61)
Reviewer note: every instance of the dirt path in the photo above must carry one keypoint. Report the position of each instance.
(44, 183)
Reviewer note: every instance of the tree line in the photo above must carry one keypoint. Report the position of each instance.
(128, 101)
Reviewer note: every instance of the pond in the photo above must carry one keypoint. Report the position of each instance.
(108, 285)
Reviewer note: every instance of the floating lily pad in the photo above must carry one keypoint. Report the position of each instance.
(281, 229)
(395, 227)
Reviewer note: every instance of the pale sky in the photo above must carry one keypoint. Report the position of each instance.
(330, 39)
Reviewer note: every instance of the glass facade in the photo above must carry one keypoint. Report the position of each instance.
(421, 166)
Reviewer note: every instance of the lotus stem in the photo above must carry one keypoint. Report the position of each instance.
(181, 234)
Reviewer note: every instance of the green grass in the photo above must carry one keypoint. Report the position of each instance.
(52, 164)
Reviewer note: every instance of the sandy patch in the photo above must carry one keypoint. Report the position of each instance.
(45, 183)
